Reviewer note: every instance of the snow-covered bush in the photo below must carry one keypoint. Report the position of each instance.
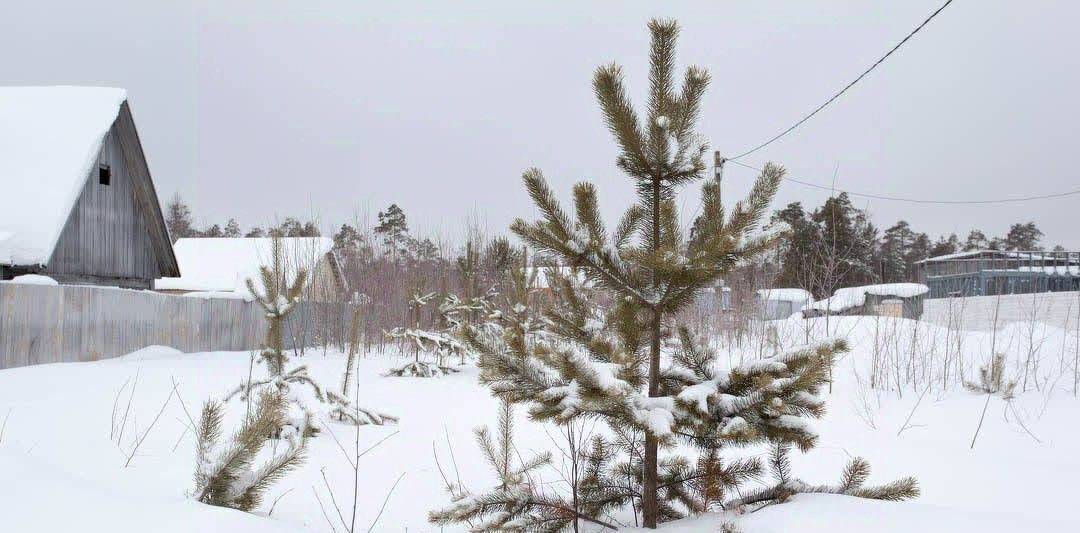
(442, 342)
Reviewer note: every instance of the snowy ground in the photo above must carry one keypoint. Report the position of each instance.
(56, 442)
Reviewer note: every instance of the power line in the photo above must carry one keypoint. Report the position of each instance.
(848, 86)
(922, 200)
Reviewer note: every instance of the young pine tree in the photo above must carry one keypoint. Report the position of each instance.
(414, 336)
(225, 472)
(604, 360)
(278, 298)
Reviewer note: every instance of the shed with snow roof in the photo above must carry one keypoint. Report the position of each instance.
(901, 300)
(77, 202)
(778, 304)
(222, 266)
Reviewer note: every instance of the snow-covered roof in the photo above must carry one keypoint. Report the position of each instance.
(947, 257)
(998, 254)
(225, 264)
(849, 297)
(785, 295)
(49, 139)
(31, 279)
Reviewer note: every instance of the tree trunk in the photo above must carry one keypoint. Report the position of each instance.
(648, 492)
(649, 464)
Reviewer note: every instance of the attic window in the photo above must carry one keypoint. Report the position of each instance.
(104, 174)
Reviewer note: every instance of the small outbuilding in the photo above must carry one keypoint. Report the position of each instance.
(77, 203)
(778, 304)
(221, 266)
(901, 300)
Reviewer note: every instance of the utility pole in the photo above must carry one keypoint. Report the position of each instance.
(718, 166)
(722, 291)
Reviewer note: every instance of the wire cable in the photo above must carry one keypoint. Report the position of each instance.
(848, 86)
(921, 200)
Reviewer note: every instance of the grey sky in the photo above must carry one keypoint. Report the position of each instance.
(336, 107)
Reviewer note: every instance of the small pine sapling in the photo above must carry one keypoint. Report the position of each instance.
(468, 267)
(992, 383)
(452, 316)
(992, 380)
(420, 340)
(278, 298)
(442, 342)
(225, 474)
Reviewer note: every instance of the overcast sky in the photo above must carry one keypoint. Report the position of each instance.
(336, 108)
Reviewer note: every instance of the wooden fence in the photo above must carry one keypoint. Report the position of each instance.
(53, 324)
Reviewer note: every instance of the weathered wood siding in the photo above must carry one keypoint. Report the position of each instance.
(104, 235)
(115, 233)
(67, 323)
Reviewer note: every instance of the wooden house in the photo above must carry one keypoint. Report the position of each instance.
(220, 267)
(77, 203)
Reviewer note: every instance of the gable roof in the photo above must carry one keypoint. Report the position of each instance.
(224, 264)
(49, 139)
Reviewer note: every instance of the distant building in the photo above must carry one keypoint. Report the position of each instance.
(713, 300)
(901, 300)
(778, 304)
(76, 200)
(992, 272)
(222, 266)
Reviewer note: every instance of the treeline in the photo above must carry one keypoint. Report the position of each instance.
(836, 245)
(181, 225)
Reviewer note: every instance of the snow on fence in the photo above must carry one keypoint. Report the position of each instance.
(986, 313)
(66, 323)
